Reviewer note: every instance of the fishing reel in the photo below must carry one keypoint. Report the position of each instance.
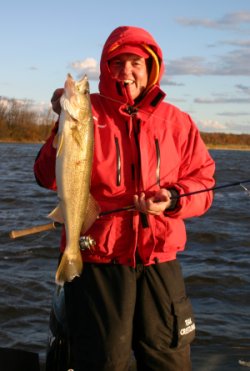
(86, 243)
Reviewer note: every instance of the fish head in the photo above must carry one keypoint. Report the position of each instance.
(82, 85)
(74, 88)
(77, 93)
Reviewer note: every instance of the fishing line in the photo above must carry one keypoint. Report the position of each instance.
(245, 189)
(216, 188)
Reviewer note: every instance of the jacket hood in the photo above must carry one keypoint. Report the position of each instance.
(136, 37)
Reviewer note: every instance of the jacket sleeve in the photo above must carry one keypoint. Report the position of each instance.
(44, 166)
(196, 173)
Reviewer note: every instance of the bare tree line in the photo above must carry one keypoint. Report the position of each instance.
(22, 123)
(241, 141)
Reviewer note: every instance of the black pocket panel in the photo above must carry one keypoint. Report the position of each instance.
(184, 325)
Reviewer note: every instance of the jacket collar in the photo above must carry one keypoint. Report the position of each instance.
(147, 105)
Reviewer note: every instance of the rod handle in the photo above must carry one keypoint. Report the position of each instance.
(36, 229)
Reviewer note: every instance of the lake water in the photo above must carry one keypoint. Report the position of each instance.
(216, 263)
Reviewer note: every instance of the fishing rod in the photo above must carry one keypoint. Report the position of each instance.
(53, 225)
(132, 207)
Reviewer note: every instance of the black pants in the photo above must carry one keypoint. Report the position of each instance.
(113, 310)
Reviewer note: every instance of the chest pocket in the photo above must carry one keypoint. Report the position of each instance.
(167, 162)
(118, 162)
(158, 161)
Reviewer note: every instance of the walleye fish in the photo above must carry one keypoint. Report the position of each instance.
(77, 209)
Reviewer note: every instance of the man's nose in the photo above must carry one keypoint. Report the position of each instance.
(126, 68)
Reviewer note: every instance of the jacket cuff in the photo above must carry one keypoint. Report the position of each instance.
(174, 202)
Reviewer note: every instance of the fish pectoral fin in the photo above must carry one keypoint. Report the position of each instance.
(76, 135)
(70, 267)
(59, 145)
(68, 106)
(92, 213)
(57, 215)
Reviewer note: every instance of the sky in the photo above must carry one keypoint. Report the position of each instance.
(206, 48)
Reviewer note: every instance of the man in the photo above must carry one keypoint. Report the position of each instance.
(131, 295)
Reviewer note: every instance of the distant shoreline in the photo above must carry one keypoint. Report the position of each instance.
(229, 147)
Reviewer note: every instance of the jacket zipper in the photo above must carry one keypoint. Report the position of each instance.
(158, 158)
(118, 162)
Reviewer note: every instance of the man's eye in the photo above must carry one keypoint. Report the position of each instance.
(117, 63)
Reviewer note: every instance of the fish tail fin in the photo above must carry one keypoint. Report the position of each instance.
(70, 267)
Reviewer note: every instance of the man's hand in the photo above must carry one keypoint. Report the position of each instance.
(153, 205)
(55, 100)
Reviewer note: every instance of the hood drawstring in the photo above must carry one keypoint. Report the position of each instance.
(130, 99)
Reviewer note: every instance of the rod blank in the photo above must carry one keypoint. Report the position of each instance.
(46, 227)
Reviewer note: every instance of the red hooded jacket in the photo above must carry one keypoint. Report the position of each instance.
(138, 147)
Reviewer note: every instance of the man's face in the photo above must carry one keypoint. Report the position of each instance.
(130, 69)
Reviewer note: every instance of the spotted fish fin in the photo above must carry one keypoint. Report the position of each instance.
(57, 215)
(92, 213)
(59, 145)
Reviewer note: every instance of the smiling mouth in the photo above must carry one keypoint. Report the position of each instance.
(128, 82)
